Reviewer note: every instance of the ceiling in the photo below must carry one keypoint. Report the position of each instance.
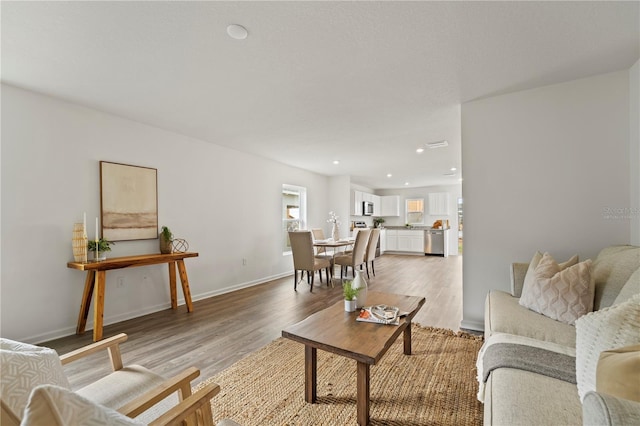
(365, 83)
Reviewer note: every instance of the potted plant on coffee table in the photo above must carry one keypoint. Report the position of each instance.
(350, 293)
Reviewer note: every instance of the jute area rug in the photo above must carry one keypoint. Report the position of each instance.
(436, 385)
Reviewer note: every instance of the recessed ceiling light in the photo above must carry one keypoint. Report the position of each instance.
(439, 144)
(336, 162)
(237, 31)
(406, 184)
(420, 150)
(460, 180)
(453, 169)
(389, 175)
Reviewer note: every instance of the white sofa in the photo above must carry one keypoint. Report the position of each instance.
(512, 396)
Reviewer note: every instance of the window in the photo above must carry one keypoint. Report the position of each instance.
(294, 213)
(415, 211)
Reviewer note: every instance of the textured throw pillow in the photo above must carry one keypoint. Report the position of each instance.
(561, 294)
(529, 278)
(609, 328)
(56, 406)
(618, 373)
(22, 368)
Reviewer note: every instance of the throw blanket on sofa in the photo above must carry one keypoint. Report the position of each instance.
(512, 341)
(528, 358)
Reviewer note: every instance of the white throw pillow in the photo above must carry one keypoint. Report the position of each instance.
(56, 406)
(560, 292)
(609, 328)
(22, 368)
(529, 278)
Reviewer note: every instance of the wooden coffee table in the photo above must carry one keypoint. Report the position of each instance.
(334, 330)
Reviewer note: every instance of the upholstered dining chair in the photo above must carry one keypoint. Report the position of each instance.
(321, 252)
(34, 390)
(356, 257)
(304, 258)
(370, 254)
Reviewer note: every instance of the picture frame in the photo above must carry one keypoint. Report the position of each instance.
(128, 202)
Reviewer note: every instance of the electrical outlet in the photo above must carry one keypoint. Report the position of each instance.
(244, 262)
(120, 282)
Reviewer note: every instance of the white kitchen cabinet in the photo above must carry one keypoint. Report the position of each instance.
(405, 240)
(357, 203)
(377, 208)
(392, 240)
(439, 203)
(390, 205)
(383, 240)
(411, 240)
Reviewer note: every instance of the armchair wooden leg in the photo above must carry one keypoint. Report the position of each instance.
(295, 280)
(367, 266)
(313, 275)
(373, 269)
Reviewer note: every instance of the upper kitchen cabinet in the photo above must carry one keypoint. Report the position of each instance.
(439, 203)
(356, 204)
(390, 205)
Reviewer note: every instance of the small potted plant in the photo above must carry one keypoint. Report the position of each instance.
(103, 247)
(166, 238)
(377, 222)
(350, 294)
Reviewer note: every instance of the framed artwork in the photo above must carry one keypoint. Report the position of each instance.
(128, 202)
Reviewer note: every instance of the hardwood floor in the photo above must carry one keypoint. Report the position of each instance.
(225, 328)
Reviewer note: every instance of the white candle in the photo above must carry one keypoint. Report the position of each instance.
(97, 237)
(84, 223)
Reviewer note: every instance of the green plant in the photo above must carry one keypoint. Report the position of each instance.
(377, 221)
(349, 292)
(166, 233)
(103, 245)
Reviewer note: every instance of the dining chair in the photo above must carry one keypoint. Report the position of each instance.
(321, 252)
(304, 258)
(356, 257)
(370, 254)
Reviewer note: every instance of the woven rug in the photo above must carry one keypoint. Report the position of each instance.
(436, 385)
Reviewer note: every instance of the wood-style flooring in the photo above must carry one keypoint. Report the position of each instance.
(225, 328)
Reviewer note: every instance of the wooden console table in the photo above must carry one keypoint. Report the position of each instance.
(96, 279)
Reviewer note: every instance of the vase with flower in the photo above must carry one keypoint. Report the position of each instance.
(333, 219)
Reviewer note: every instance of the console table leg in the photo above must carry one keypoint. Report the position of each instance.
(185, 285)
(86, 301)
(310, 374)
(407, 339)
(98, 306)
(363, 393)
(172, 285)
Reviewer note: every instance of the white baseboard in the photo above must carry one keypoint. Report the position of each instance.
(472, 325)
(113, 319)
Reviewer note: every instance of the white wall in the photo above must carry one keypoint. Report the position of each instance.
(224, 202)
(540, 168)
(634, 151)
(454, 191)
(339, 204)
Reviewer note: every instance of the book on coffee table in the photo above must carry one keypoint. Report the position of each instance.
(381, 314)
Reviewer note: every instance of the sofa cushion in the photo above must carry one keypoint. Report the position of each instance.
(517, 397)
(529, 277)
(611, 270)
(22, 368)
(607, 410)
(503, 314)
(608, 328)
(618, 373)
(560, 294)
(56, 406)
(631, 287)
(122, 386)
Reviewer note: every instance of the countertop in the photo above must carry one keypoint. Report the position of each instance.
(413, 228)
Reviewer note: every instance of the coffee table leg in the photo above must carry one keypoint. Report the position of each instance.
(310, 373)
(407, 339)
(363, 394)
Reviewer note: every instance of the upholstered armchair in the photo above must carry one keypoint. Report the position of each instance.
(34, 390)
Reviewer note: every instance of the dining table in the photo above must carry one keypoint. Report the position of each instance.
(334, 245)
